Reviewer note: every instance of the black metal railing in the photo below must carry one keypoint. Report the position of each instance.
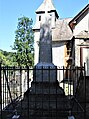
(16, 97)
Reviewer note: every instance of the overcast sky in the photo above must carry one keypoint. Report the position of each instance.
(11, 10)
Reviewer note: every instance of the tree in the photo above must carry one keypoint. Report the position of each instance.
(2, 58)
(24, 40)
(7, 58)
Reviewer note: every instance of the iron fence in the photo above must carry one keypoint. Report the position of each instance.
(21, 96)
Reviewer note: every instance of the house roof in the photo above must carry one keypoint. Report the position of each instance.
(83, 35)
(78, 17)
(62, 31)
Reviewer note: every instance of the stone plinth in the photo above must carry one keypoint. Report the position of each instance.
(45, 72)
(46, 101)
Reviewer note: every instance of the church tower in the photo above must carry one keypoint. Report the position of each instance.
(46, 9)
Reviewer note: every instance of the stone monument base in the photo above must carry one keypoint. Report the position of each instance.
(45, 72)
(46, 101)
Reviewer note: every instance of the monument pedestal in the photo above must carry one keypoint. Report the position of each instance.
(47, 99)
(45, 72)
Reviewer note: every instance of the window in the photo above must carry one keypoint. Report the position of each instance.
(68, 48)
(39, 18)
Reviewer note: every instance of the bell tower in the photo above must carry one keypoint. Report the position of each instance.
(46, 9)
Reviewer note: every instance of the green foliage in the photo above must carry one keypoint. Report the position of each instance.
(23, 44)
(7, 58)
(2, 58)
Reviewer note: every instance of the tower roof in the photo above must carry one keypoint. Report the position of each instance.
(47, 5)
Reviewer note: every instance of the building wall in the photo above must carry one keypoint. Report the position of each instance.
(58, 58)
(58, 54)
(82, 25)
(36, 46)
(77, 52)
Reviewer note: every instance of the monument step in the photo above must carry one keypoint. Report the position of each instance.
(47, 97)
(46, 115)
(43, 88)
(45, 84)
(49, 90)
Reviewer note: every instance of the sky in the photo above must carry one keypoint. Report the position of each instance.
(11, 10)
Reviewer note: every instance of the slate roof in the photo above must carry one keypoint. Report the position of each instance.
(83, 34)
(62, 31)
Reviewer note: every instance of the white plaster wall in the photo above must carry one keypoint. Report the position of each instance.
(58, 55)
(82, 25)
(77, 52)
(36, 47)
(53, 20)
(58, 59)
(42, 18)
(86, 59)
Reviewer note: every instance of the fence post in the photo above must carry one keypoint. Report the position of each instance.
(1, 90)
(85, 91)
(28, 88)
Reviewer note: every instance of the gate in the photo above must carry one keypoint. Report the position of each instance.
(15, 83)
